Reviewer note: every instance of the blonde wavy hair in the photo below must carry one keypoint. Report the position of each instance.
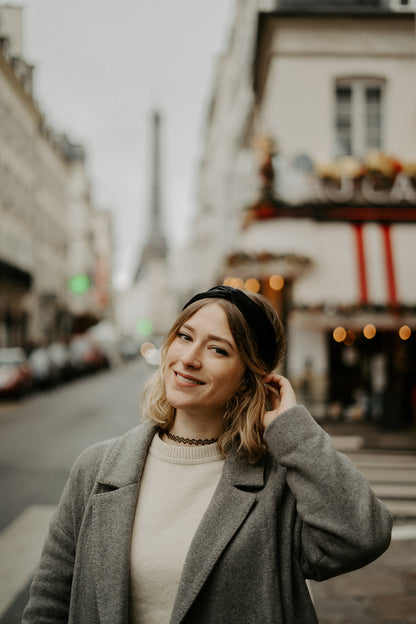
(242, 424)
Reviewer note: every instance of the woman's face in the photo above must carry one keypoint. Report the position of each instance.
(203, 367)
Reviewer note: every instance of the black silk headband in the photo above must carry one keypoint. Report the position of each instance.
(258, 321)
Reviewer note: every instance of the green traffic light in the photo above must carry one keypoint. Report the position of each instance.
(79, 284)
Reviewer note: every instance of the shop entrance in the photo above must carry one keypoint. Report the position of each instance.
(373, 379)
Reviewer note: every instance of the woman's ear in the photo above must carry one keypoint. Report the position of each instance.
(245, 383)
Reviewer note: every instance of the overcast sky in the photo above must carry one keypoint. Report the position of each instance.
(101, 67)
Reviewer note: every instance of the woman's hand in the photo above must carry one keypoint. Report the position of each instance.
(281, 396)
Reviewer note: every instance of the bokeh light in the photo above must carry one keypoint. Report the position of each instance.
(252, 285)
(339, 334)
(152, 356)
(349, 338)
(146, 346)
(79, 284)
(276, 282)
(235, 282)
(369, 331)
(405, 332)
(144, 327)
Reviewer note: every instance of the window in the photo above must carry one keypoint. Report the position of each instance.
(358, 116)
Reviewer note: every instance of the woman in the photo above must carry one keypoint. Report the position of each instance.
(219, 506)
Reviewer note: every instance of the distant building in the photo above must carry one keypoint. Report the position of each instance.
(46, 214)
(311, 156)
(81, 253)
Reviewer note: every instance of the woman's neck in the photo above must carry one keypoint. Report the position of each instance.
(196, 426)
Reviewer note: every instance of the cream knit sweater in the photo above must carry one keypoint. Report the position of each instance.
(176, 487)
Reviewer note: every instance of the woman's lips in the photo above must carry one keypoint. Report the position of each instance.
(182, 378)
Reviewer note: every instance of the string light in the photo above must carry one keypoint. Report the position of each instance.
(252, 285)
(405, 332)
(235, 282)
(276, 282)
(369, 331)
(339, 334)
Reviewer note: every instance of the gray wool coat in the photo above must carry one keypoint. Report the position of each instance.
(306, 512)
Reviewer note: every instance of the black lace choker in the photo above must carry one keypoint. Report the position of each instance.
(192, 441)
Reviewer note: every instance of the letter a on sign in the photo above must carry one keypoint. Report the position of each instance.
(402, 189)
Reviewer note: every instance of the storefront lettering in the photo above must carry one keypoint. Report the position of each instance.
(402, 189)
(368, 188)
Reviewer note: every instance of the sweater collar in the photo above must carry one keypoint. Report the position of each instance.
(179, 454)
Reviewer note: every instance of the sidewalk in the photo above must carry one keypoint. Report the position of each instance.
(383, 592)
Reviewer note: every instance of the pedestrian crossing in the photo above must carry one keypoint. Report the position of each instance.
(392, 475)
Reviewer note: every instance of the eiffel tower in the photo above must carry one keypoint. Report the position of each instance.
(155, 247)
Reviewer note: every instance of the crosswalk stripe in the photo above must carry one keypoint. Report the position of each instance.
(347, 443)
(404, 532)
(392, 475)
(395, 490)
(401, 508)
(391, 460)
(20, 548)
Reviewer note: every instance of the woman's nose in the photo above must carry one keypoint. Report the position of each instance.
(192, 356)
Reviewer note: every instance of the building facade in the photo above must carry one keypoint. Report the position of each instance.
(46, 212)
(327, 229)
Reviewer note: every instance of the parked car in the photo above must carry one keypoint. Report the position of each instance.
(129, 347)
(44, 371)
(16, 374)
(85, 356)
(59, 355)
(106, 338)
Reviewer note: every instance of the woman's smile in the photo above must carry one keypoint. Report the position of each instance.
(183, 379)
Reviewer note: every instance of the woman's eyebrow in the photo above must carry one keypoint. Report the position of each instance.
(220, 339)
(212, 336)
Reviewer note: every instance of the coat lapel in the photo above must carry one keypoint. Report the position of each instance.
(111, 525)
(112, 518)
(228, 509)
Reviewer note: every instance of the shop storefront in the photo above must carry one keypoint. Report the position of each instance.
(338, 270)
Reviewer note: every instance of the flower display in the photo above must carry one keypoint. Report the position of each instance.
(378, 179)
(375, 163)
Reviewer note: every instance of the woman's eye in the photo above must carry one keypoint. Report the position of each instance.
(183, 336)
(220, 351)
